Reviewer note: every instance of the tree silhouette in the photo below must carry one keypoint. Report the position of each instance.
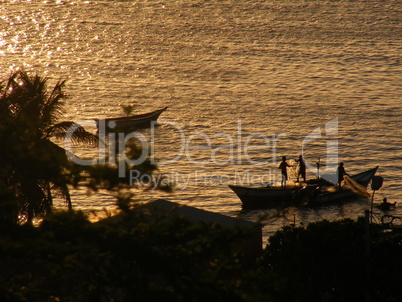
(33, 167)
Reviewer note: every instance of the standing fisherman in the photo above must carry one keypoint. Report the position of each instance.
(340, 173)
(283, 166)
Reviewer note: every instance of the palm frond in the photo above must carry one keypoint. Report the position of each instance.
(36, 201)
(7, 106)
(78, 134)
(62, 191)
(51, 111)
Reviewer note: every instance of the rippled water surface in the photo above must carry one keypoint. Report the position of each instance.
(245, 81)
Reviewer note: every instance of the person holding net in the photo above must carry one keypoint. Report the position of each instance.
(341, 172)
(302, 169)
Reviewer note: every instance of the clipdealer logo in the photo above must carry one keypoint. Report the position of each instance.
(238, 149)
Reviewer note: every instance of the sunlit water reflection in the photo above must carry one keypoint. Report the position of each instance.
(255, 72)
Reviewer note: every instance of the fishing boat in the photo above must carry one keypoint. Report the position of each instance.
(265, 197)
(137, 121)
(314, 193)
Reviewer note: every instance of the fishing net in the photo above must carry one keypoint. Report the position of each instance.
(356, 187)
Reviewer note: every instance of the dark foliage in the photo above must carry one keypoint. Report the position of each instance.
(140, 255)
(147, 255)
(331, 261)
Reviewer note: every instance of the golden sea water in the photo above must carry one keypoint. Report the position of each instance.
(245, 81)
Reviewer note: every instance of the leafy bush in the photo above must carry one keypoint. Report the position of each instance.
(141, 254)
(148, 255)
(331, 261)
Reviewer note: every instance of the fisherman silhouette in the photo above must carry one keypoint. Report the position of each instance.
(385, 205)
(341, 173)
(302, 168)
(283, 166)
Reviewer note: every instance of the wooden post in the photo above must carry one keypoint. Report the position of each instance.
(372, 205)
(367, 249)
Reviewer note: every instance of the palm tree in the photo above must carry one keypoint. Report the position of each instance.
(32, 166)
